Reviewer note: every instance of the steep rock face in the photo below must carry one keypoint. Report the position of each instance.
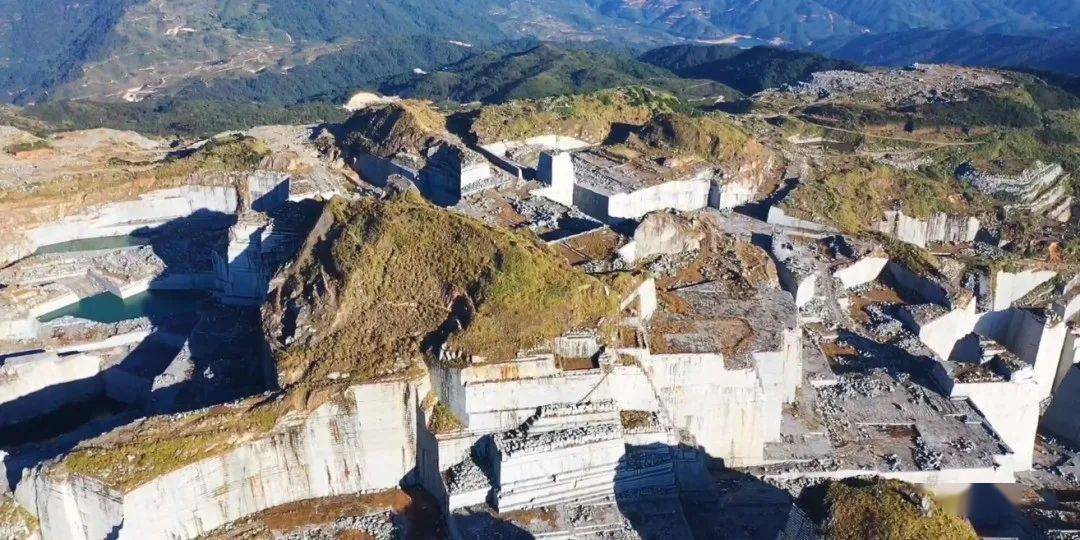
(362, 442)
(150, 209)
(749, 170)
(409, 139)
(352, 384)
(99, 183)
(939, 227)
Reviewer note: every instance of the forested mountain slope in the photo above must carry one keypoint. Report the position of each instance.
(132, 49)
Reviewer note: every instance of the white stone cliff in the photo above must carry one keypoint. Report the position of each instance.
(362, 443)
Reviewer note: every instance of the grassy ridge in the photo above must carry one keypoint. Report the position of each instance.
(853, 200)
(542, 71)
(747, 70)
(409, 262)
(589, 117)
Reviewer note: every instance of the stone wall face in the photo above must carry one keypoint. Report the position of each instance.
(1070, 356)
(241, 273)
(557, 171)
(680, 195)
(30, 375)
(724, 410)
(777, 216)
(154, 208)
(861, 272)
(592, 203)
(506, 404)
(938, 228)
(1012, 408)
(1031, 338)
(631, 390)
(377, 170)
(365, 444)
(1010, 287)
(919, 286)
(474, 173)
(72, 508)
(941, 334)
(1062, 418)
(728, 195)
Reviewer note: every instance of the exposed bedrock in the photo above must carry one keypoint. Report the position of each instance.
(119, 218)
(937, 228)
(361, 443)
(1042, 189)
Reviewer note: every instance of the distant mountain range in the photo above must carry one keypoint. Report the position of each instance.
(747, 70)
(134, 49)
(543, 70)
(801, 23)
(1051, 51)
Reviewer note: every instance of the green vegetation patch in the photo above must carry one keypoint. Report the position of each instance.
(14, 519)
(1063, 127)
(1013, 108)
(747, 70)
(888, 510)
(27, 146)
(187, 117)
(443, 420)
(400, 276)
(129, 458)
(856, 199)
(705, 136)
(542, 71)
(589, 117)
(851, 115)
(915, 258)
(222, 154)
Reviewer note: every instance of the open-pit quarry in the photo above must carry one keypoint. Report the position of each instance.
(385, 329)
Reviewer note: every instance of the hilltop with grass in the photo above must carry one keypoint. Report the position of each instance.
(421, 267)
(589, 117)
(901, 140)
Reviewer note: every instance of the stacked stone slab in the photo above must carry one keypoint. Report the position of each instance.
(563, 453)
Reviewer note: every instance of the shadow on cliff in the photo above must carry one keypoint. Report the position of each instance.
(760, 209)
(482, 524)
(680, 492)
(200, 352)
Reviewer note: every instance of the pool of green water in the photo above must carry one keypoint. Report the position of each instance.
(107, 308)
(93, 244)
